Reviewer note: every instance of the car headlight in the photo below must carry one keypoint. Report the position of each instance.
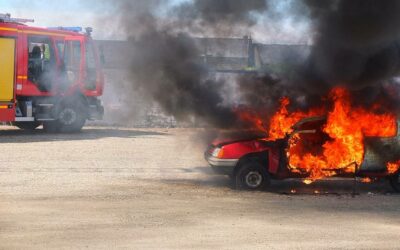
(217, 152)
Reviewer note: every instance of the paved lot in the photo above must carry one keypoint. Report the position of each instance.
(110, 188)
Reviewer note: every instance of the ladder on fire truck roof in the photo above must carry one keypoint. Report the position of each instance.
(6, 18)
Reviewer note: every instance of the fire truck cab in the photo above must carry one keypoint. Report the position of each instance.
(49, 76)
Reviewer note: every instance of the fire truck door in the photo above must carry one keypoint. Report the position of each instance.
(7, 78)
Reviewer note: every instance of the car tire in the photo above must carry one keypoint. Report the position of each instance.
(29, 126)
(395, 181)
(251, 176)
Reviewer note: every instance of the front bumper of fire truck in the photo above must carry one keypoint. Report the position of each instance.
(220, 165)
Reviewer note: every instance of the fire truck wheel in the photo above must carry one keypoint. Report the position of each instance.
(395, 182)
(71, 117)
(27, 125)
(251, 176)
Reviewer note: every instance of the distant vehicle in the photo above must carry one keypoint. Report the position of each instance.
(49, 76)
(252, 163)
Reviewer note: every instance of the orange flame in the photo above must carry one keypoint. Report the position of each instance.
(282, 122)
(251, 118)
(366, 180)
(393, 167)
(307, 181)
(346, 127)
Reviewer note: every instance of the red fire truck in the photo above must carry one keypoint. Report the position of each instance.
(48, 76)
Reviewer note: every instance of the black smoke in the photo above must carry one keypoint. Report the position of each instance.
(167, 68)
(165, 62)
(211, 13)
(356, 43)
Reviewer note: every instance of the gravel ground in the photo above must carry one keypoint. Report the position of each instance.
(110, 188)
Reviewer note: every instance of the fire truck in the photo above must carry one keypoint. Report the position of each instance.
(48, 76)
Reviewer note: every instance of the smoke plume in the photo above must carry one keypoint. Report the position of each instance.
(220, 16)
(356, 42)
(172, 75)
(166, 66)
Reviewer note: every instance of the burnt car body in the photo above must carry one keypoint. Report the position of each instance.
(252, 163)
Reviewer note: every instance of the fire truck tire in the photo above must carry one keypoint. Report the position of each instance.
(251, 176)
(71, 117)
(27, 125)
(395, 182)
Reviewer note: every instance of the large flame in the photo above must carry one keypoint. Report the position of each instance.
(282, 122)
(393, 167)
(346, 127)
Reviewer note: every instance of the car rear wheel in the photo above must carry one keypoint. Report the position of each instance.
(395, 182)
(251, 176)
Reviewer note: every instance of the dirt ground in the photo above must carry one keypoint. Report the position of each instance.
(110, 188)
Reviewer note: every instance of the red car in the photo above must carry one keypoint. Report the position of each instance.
(252, 163)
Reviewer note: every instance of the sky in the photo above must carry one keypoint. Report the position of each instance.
(86, 13)
(50, 13)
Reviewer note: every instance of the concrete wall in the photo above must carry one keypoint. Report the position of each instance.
(217, 53)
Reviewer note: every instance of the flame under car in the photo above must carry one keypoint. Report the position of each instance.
(253, 163)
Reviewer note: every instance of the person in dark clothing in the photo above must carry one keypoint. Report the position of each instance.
(35, 64)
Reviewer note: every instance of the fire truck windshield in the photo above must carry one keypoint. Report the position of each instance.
(91, 69)
(72, 60)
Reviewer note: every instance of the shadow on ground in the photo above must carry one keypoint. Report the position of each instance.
(333, 186)
(39, 135)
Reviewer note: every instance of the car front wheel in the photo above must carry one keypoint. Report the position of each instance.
(251, 176)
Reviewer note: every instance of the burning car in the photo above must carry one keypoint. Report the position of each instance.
(315, 147)
(252, 163)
